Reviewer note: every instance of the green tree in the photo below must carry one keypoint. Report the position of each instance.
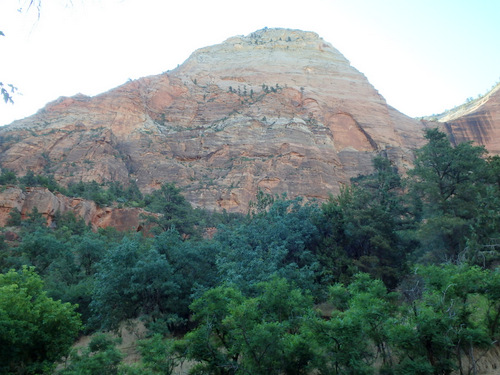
(34, 221)
(363, 314)
(157, 356)
(100, 357)
(175, 211)
(211, 342)
(445, 324)
(275, 332)
(492, 294)
(271, 329)
(365, 228)
(7, 177)
(14, 217)
(193, 270)
(133, 194)
(89, 251)
(482, 245)
(29, 179)
(451, 181)
(41, 248)
(134, 280)
(384, 185)
(370, 303)
(449, 177)
(91, 191)
(67, 224)
(341, 346)
(280, 240)
(113, 300)
(3, 252)
(35, 330)
(265, 334)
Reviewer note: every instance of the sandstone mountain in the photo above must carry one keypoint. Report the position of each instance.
(280, 110)
(477, 121)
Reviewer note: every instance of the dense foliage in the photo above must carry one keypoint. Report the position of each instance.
(35, 330)
(395, 275)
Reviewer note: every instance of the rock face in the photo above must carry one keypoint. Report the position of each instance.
(280, 110)
(477, 121)
(48, 204)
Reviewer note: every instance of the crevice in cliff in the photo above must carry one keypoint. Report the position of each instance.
(347, 132)
(368, 136)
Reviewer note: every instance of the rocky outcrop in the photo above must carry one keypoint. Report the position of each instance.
(477, 121)
(280, 110)
(48, 204)
(11, 198)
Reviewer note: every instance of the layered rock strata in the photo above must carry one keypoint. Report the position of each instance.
(477, 121)
(278, 110)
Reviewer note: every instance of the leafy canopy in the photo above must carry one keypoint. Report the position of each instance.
(35, 330)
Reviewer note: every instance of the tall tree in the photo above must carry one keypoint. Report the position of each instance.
(450, 181)
(449, 177)
(175, 211)
(35, 330)
(364, 225)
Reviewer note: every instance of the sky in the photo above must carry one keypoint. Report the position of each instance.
(423, 56)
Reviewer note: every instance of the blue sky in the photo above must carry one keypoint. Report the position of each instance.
(424, 56)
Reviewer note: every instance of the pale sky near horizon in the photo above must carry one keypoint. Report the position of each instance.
(423, 56)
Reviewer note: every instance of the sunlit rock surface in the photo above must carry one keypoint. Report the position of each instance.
(477, 121)
(278, 110)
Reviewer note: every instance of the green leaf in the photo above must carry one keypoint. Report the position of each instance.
(35, 330)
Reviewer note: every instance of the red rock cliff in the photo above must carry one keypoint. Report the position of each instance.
(477, 121)
(280, 110)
